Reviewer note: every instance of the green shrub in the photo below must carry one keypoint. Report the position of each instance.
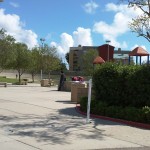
(127, 113)
(119, 85)
(146, 111)
(83, 103)
(100, 108)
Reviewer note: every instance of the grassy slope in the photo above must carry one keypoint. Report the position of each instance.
(9, 80)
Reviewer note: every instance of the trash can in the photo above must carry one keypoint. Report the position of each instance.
(76, 88)
(44, 82)
(82, 92)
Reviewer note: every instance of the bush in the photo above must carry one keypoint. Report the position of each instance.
(83, 103)
(119, 85)
(146, 112)
(127, 113)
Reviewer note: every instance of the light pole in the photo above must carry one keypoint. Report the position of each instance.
(42, 41)
(108, 41)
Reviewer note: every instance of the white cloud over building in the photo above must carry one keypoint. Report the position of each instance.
(81, 36)
(119, 25)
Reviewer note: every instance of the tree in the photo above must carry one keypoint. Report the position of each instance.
(87, 61)
(141, 24)
(22, 59)
(49, 59)
(63, 66)
(35, 64)
(67, 57)
(6, 50)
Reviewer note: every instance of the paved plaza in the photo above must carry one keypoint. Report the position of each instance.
(42, 118)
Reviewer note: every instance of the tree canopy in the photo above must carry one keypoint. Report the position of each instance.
(140, 24)
(15, 55)
(22, 60)
(6, 50)
(87, 61)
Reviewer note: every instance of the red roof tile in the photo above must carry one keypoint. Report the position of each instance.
(98, 60)
(138, 51)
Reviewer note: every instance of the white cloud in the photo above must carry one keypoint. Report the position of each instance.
(63, 46)
(82, 36)
(119, 26)
(53, 44)
(13, 25)
(66, 42)
(14, 4)
(79, 37)
(90, 7)
(124, 9)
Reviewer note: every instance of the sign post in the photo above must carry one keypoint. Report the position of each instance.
(89, 101)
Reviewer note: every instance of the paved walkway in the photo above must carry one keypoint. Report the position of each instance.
(41, 118)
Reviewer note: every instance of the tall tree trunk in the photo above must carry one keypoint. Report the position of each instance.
(33, 77)
(19, 73)
(49, 76)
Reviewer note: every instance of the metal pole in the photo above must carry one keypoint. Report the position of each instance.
(42, 41)
(89, 101)
(108, 50)
(136, 60)
(41, 74)
(140, 60)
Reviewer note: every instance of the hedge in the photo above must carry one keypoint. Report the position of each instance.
(141, 115)
(119, 85)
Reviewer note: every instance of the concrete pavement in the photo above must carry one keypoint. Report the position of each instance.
(34, 117)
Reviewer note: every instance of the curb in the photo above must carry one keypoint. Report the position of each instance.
(130, 123)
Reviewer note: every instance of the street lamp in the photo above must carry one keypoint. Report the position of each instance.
(108, 41)
(42, 41)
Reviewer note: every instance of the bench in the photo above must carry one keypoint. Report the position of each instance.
(3, 83)
(24, 82)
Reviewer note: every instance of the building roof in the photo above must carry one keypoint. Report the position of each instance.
(106, 45)
(98, 60)
(138, 51)
(83, 47)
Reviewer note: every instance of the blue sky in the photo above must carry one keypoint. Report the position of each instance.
(66, 23)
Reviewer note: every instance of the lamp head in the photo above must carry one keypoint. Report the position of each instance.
(108, 41)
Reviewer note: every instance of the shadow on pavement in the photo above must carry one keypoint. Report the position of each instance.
(58, 127)
(52, 129)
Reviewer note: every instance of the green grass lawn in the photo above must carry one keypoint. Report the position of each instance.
(8, 80)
